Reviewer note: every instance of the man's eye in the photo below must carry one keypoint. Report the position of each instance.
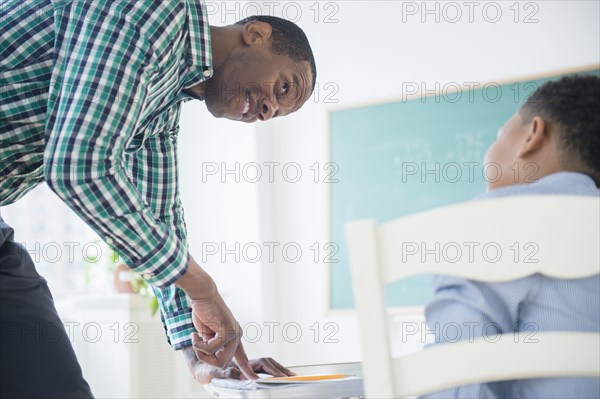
(285, 87)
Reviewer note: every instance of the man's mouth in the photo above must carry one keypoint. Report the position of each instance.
(247, 106)
(244, 107)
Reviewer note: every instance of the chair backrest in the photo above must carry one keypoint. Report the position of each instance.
(491, 240)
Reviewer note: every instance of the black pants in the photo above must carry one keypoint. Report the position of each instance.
(36, 356)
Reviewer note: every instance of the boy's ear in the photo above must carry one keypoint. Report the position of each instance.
(256, 32)
(536, 135)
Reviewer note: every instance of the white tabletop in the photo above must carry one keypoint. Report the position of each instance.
(334, 389)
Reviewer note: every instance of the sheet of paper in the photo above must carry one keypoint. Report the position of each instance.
(229, 383)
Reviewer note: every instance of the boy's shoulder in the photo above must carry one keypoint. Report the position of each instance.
(561, 183)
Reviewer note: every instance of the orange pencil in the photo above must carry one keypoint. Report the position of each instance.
(308, 377)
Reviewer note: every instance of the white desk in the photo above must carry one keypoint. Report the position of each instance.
(341, 389)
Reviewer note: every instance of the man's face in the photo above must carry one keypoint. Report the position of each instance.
(255, 84)
(504, 154)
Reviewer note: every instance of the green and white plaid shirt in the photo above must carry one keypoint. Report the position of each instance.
(90, 103)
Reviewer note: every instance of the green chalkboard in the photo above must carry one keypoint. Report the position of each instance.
(408, 156)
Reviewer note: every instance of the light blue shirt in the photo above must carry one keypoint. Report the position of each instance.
(529, 305)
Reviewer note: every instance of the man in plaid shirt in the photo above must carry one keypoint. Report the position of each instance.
(90, 102)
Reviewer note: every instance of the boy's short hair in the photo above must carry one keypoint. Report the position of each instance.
(572, 104)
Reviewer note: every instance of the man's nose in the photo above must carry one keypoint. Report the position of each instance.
(268, 108)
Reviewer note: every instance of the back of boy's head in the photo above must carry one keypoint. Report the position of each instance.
(571, 108)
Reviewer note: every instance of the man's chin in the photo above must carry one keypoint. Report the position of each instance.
(216, 112)
(220, 113)
(242, 120)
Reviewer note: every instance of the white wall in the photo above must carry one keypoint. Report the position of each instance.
(368, 54)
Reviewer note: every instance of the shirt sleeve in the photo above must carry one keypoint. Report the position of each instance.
(154, 170)
(465, 310)
(100, 83)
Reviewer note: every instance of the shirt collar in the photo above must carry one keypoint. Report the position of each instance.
(200, 50)
(559, 183)
(572, 178)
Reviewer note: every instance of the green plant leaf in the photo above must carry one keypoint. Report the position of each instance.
(153, 305)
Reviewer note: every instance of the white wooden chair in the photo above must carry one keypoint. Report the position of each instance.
(565, 230)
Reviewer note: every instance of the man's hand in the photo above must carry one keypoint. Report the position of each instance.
(218, 337)
(204, 373)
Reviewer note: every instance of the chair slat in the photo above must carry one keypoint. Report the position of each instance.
(498, 240)
(555, 354)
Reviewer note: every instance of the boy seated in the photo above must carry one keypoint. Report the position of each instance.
(555, 135)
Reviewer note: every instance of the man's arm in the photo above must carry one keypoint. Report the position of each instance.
(154, 169)
(99, 87)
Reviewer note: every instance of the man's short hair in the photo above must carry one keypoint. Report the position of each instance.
(288, 40)
(571, 103)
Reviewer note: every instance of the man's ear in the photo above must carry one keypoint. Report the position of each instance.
(256, 32)
(536, 136)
